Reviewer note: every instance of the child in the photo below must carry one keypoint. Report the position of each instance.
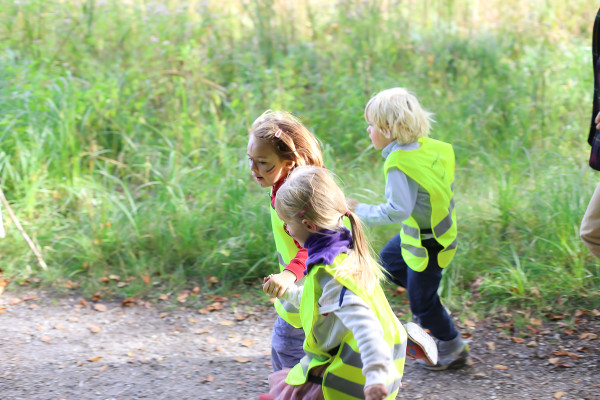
(355, 345)
(420, 194)
(279, 142)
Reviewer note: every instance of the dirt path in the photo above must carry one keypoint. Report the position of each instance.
(65, 348)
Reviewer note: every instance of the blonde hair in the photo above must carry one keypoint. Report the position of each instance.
(398, 115)
(311, 193)
(291, 139)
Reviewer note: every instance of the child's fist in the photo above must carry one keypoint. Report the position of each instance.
(376, 392)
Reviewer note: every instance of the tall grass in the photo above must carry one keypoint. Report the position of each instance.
(123, 128)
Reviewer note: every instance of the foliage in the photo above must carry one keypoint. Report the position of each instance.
(123, 128)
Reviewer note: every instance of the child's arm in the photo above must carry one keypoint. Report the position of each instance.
(276, 285)
(401, 197)
(354, 313)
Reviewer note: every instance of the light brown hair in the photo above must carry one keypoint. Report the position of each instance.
(314, 191)
(291, 140)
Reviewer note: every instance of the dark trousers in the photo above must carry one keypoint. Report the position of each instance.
(422, 287)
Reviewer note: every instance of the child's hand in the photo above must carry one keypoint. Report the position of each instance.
(597, 121)
(276, 285)
(376, 392)
(352, 203)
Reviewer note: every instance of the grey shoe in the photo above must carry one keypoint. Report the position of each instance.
(420, 345)
(451, 354)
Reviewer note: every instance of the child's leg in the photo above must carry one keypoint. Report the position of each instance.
(391, 259)
(286, 345)
(424, 301)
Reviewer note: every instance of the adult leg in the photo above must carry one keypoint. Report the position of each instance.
(590, 225)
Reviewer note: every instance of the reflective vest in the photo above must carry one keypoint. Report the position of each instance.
(343, 378)
(286, 251)
(432, 167)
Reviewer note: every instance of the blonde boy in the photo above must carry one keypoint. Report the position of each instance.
(419, 194)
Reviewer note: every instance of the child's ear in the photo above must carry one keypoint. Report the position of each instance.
(289, 164)
(310, 225)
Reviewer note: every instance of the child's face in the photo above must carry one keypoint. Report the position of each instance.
(299, 230)
(379, 141)
(265, 164)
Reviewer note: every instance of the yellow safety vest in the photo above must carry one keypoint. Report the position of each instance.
(286, 251)
(343, 378)
(432, 167)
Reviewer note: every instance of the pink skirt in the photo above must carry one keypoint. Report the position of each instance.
(279, 390)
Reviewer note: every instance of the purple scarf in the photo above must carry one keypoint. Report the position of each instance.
(324, 246)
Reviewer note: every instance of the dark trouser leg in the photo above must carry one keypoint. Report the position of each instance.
(422, 287)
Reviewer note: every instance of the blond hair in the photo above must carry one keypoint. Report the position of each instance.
(398, 115)
(291, 139)
(311, 193)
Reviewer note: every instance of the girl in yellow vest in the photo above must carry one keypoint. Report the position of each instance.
(278, 143)
(355, 346)
(419, 195)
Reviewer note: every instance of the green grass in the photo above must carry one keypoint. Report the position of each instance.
(123, 128)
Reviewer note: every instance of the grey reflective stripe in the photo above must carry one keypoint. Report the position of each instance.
(305, 362)
(452, 187)
(446, 223)
(415, 251)
(281, 259)
(451, 246)
(289, 307)
(344, 385)
(399, 351)
(392, 387)
(410, 231)
(350, 357)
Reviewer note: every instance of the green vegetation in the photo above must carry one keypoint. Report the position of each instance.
(123, 130)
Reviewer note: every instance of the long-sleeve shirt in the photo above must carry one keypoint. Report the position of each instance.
(341, 310)
(297, 265)
(404, 197)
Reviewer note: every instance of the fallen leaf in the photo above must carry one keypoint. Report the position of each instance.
(218, 348)
(122, 284)
(83, 302)
(573, 355)
(104, 279)
(533, 343)
(565, 364)
(535, 322)
(94, 329)
(240, 383)
(596, 313)
(470, 323)
(100, 307)
(14, 301)
(248, 342)
(103, 368)
(209, 378)
(128, 302)
(226, 323)
(518, 339)
(45, 339)
(162, 315)
(195, 290)
(588, 335)
(114, 277)
(553, 361)
(192, 320)
(182, 297)
(201, 331)
(560, 353)
(217, 299)
(163, 297)
(211, 340)
(241, 359)
(94, 359)
(59, 327)
(491, 346)
(558, 395)
(146, 279)
(500, 367)
(240, 317)
(211, 307)
(97, 296)
(33, 306)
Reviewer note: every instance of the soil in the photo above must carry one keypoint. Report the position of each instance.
(69, 348)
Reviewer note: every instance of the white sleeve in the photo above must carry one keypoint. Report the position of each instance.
(401, 197)
(293, 295)
(354, 313)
